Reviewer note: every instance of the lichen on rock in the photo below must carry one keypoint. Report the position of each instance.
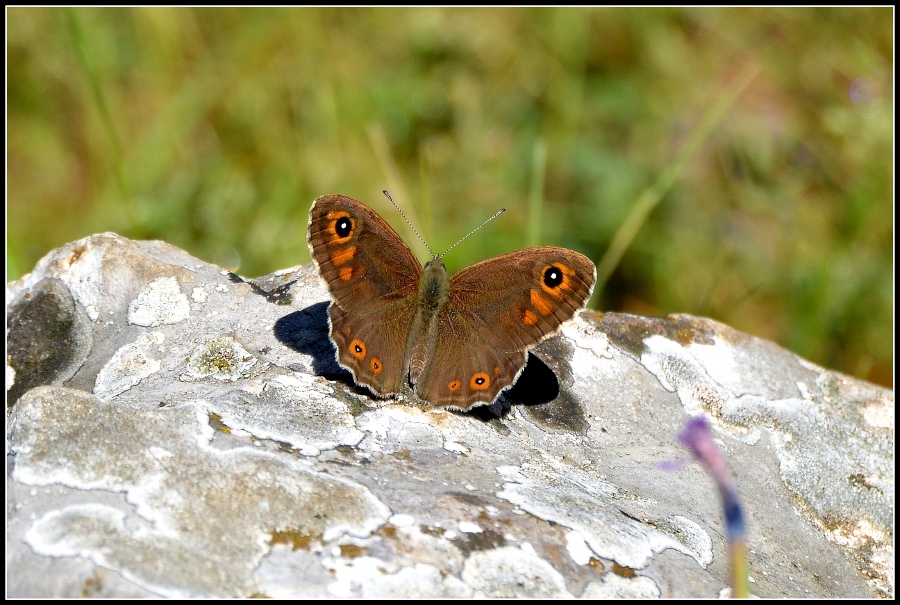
(208, 445)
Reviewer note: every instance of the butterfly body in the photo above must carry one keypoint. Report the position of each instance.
(460, 340)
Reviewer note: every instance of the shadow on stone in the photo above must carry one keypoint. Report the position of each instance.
(306, 331)
(48, 338)
(537, 385)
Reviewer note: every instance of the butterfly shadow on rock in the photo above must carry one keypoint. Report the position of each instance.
(537, 388)
(306, 331)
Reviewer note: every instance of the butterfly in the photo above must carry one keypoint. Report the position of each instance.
(458, 341)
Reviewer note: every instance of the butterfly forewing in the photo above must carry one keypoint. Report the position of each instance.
(516, 300)
(362, 259)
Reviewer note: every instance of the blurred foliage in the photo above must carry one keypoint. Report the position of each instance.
(214, 129)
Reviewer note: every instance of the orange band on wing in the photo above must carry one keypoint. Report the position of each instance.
(342, 256)
(543, 306)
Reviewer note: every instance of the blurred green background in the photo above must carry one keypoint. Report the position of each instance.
(729, 163)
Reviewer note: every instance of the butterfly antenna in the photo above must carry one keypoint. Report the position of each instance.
(502, 210)
(422, 239)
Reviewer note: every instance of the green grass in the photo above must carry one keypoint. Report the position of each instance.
(731, 163)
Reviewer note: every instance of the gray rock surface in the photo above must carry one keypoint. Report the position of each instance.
(174, 430)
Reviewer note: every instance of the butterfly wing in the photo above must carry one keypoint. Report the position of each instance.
(496, 311)
(373, 279)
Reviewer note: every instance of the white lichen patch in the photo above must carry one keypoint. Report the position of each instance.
(210, 547)
(612, 586)
(373, 578)
(52, 535)
(295, 410)
(83, 273)
(402, 520)
(717, 360)
(129, 366)
(456, 448)
(592, 358)
(882, 562)
(467, 527)
(587, 504)
(10, 375)
(689, 533)
(702, 376)
(160, 303)
(664, 358)
(584, 335)
(287, 271)
(509, 573)
(95, 532)
(199, 295)
(388, 427)
(880, 413)
(858, 534)
(578, 548)
(221, 358)
(679, 372)
(287, 573)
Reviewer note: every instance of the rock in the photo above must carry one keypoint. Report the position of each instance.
(175, 430)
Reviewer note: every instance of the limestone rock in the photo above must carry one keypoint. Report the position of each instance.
(175, 430)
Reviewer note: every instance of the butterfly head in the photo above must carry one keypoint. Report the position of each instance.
(435, 263)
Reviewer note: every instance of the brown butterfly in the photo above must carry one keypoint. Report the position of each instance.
(460, 340)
